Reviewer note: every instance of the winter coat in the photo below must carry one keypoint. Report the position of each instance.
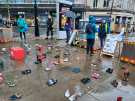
(91, 28)
(50, 24)
(68, 27)
(102, 31)
(22, 25)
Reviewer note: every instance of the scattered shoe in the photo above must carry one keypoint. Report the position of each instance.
(94, 65)
(47, 69)
(85, 80)
(55, 63)
(95, 75)
(57, 56)
(37, 62)
(124, 83)
(46, 38)
(15, 97)
(11, 83)
(114, 83)
(67, 93)
(26, 72)
(76, 70)
(109, 70)
(66, 60)
(51, 82)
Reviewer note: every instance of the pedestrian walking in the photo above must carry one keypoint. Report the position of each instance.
(102, 34)
(90, 31)
(68, 28)
(22, 27)
(49, 27)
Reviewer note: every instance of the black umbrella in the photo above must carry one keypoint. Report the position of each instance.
(70, 14)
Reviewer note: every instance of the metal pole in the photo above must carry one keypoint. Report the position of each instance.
(57, 19)
(111, 15)
(111, 9)
(36, 20)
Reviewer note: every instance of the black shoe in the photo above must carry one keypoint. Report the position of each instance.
(46, 38)
(87, 53)
(92, 53)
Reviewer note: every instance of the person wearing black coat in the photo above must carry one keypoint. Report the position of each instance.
(49, 27)
(102, 34)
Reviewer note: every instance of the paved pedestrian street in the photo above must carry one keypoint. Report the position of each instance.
(33, 86)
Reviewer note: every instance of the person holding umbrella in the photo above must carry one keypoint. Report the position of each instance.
(68, 25)
(68, 28)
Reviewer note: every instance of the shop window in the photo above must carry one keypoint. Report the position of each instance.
(38, 1)
(124, 20)
(106, 3)
(129, 19)
(19, 1)
(117, 20)
(95, 3)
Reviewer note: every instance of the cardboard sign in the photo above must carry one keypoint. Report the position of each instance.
(110, 44)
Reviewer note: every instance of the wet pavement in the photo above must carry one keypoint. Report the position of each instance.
(33, 87)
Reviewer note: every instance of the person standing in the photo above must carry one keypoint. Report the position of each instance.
(22, 27)
(102, 34)
(90, 31)
(68, 28)
(49, 27)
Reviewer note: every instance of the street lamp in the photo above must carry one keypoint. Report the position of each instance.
(36, 20)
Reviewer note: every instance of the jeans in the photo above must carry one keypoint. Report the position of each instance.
(21, 35)
(49, 30)
(102, 42)
(68, 36)
(90, 44)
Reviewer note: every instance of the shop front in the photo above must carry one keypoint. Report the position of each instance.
(120, 22)
(62, 8)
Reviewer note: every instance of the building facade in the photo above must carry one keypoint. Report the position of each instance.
(15, 7)
(121, 12)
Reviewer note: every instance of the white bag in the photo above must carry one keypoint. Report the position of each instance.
(72, 98)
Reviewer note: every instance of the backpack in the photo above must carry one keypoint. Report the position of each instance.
(89, 29)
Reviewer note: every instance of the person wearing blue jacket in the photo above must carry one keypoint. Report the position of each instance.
(22, 27)
(102, 34)
(68, 28)
(90, 31)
